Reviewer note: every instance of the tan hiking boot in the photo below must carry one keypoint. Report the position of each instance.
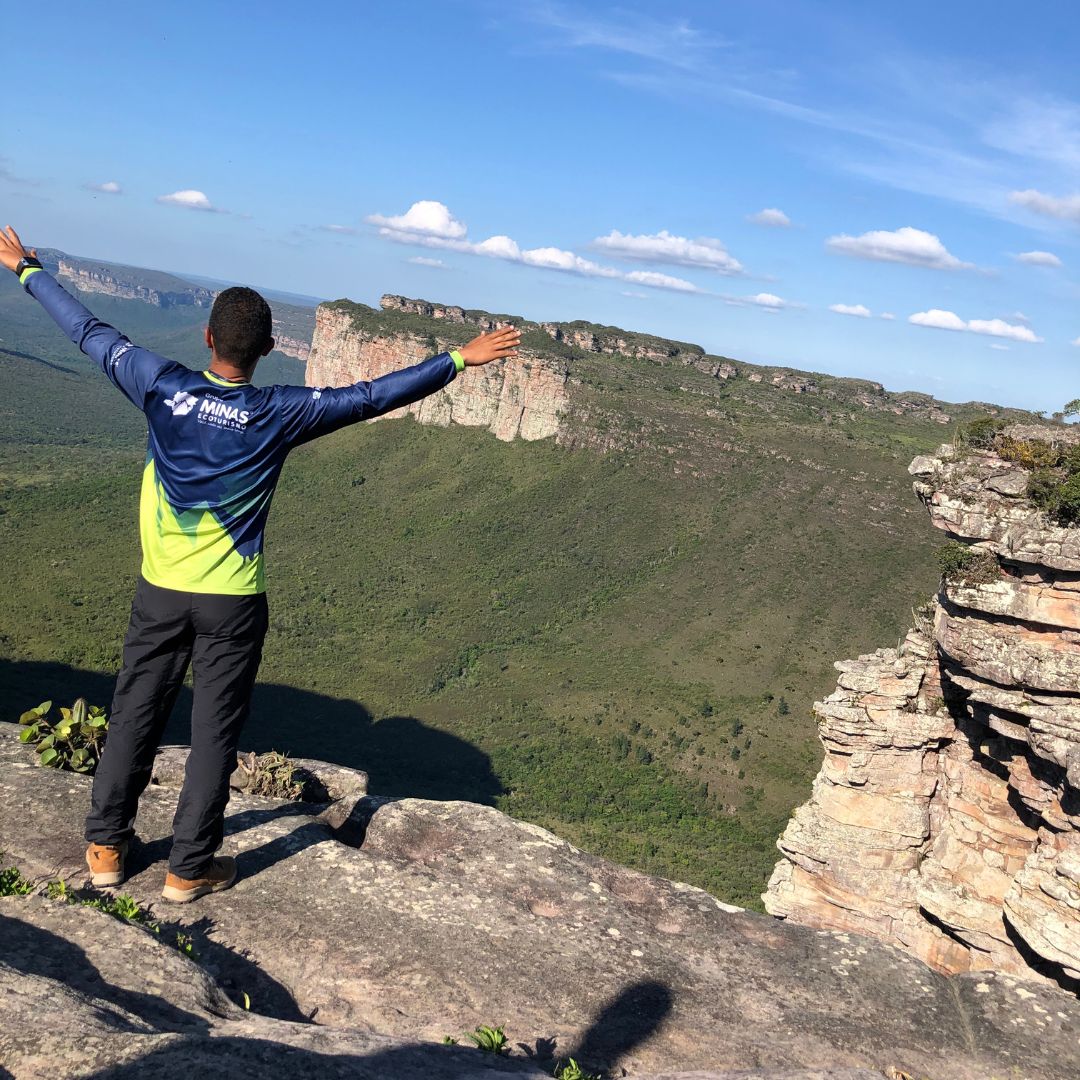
(106, 863)
(221, 875)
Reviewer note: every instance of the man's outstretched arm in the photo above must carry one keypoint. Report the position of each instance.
(310, 412)
(130, 368)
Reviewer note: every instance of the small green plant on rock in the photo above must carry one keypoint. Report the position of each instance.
(72, 742)
(964, 565)
(123, 907)
(490, 1040)
(573, 1071)
(186, 944)
(12, 883)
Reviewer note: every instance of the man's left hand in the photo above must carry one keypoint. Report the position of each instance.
(11, 249)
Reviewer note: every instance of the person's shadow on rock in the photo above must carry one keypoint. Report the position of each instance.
(402, 755)
(624, 1023)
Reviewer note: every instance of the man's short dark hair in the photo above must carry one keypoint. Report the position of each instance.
(241, 325)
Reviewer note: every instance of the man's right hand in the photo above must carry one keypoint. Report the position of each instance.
(498, 345)
(11, 249)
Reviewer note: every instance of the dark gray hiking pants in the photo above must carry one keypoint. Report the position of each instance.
(221, 637)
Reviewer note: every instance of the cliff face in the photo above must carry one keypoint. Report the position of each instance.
(542, 397)
(113, 281)
(525, 398)
(946, 813)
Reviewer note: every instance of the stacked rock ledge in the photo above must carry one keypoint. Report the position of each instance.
(946, 815)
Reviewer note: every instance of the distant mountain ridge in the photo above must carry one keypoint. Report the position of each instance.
(295, 329)
(563, 385)
(126, 282)
(293, 323)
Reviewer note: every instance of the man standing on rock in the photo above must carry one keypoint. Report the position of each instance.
(216, 448)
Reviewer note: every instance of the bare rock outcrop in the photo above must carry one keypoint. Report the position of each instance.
(360, 946)
(946, 816)
(522, 399)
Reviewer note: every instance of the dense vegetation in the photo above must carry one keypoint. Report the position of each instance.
(621, 646)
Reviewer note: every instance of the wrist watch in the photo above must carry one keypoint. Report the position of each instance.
(25, 263)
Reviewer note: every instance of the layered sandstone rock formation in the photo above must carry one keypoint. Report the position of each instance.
(539, 396)
(946, 815)
(522, 399)
(363, 930)
(149, 286)
(291, 345)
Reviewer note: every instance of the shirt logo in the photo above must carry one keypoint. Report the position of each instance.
(182, 403)
(212, 410)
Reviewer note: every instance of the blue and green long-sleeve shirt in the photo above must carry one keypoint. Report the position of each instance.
(216, 447)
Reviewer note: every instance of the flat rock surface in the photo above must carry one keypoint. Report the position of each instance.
(84, 995)
(438, 916)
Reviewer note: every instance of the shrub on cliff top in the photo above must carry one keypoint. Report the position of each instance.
(1056, 495)
(979, 434)
(964, 565)
(1030, 453)
(1054, 483)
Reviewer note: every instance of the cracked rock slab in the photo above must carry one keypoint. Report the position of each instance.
(437, 917)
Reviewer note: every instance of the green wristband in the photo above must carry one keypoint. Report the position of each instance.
(459, 361)
(27, 272)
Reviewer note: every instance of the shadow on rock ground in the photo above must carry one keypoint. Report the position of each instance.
(400, 754)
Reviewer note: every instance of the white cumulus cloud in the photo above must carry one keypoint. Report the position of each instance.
(766, 300)
(859, 310)
(423, 260)
(660, 281)
(499, 247)
(1065, 207)
(887, 315)
(427, 217)
(430, 224)
(110, 187)
(770, 216)
(937, 319)
(552, 258)
(663, 247)
(1038, 258)
(189, 199)
(1075, 341)
(1000, 328)
(907, 245)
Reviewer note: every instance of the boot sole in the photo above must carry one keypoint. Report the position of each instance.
(100, 881)
(185, 896)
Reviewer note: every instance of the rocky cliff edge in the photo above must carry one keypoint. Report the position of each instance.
(946, 816)
(362, 930)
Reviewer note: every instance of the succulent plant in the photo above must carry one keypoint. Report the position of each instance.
(72, 742)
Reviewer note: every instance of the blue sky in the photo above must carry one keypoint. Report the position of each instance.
(571, 160)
